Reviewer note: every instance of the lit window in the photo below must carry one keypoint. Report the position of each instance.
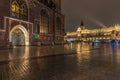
(44, 22)
(19, 9)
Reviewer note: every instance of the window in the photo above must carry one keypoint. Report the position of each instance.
(15, 9)
(19, 9)
(37, 28)
(23, 12)
(44, 22)
(58, 26)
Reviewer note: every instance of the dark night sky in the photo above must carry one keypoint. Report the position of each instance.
(94, 13)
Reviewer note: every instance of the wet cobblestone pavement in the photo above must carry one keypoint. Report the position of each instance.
(41, 51)
(99, 63)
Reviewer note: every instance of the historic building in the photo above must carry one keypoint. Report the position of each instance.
(83, 34)
(31, 22)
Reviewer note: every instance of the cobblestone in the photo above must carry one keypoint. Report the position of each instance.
(100, 63)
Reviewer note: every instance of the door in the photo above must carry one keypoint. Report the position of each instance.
(18, 38)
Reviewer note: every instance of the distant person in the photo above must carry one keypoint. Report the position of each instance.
(113, 37)
(68, 43)
(93, 43)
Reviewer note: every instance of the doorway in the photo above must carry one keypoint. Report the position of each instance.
(19, 36)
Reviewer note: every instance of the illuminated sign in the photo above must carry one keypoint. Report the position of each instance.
(36, 36)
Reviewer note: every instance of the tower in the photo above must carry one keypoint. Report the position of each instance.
(82, 25)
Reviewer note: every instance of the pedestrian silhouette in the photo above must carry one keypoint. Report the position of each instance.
(93, 44)
(113, 37)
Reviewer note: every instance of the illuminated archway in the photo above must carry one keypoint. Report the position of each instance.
(22, 30)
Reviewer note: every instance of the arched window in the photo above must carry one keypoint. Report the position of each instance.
(23, 12)
(44, 22)
(19, 9)
(15, 9)
(58, 26)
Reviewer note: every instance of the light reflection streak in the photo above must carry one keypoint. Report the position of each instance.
(18, 53)
(78, 48)
(83, 51)
(21, 69)
(39, 53)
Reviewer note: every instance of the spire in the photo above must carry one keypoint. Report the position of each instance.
(82, 24)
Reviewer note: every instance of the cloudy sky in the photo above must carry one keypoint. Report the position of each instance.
(94, 13)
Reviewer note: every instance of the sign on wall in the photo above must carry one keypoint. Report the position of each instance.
(36, 36)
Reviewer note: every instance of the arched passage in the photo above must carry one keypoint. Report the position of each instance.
(19, 36)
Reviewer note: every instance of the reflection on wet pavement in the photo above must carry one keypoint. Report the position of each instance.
(99, 63)
(35, 51)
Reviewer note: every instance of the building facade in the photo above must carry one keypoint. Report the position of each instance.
(22, 20)
(90, 35)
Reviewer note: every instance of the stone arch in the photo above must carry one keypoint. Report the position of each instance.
(21, 28)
